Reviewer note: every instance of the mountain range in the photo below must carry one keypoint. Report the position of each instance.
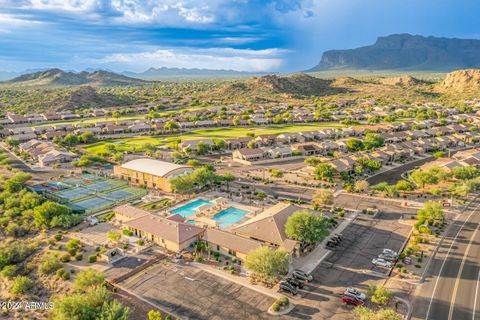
(175, 73)
(406, 52)
(59, 78)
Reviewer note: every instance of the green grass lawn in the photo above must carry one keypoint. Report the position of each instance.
(135, 143)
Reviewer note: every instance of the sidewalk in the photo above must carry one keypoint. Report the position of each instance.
(311, 261)
(241, 280)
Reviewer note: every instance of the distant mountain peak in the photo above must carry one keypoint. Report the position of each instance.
(406, 52)
(58, 78)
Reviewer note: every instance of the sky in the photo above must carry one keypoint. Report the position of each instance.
(243, 35)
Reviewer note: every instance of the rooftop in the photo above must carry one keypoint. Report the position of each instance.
(154, 167)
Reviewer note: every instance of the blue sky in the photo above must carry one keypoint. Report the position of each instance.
(250, 35)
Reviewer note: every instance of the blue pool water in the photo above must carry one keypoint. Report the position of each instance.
(190, 208)
(229, 216)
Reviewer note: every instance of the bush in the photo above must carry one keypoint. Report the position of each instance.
(275, 307)
(63, 274)
(21, 285)
(58, 237)
(88, 278)
(283, 301)
(92, 258)
(379, 294)
(79, 257)
(49, 264)
(9, 271)
(127, 232)
(65, 258)
(140, 242)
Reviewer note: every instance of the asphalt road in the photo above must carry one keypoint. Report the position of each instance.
(452, 284)
(394, 175)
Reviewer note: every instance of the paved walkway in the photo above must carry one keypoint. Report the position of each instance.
(241, 280)
(311, 261)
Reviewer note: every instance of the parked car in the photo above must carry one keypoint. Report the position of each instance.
(387, 257)
(381, 263)
(390, 252)
(352, 301)
(351, 292)
(407, 260)
(295, 282)
(299, 274)
(285, 286)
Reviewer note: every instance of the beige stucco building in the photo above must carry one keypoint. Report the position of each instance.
(153, 174)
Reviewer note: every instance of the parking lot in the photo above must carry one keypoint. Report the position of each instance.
(350, 265)
(191, 293)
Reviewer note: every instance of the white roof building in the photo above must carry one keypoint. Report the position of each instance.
(157, 168)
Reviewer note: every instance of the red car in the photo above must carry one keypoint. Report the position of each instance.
(352, 301)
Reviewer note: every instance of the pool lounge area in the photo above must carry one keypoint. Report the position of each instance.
(229, 216)
(191, 208)
(217, 212)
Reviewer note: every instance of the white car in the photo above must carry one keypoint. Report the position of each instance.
(351, 292)
(382, 263)
(389, 252)
(387, 257)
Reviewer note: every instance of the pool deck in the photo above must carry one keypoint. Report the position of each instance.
(220, 203)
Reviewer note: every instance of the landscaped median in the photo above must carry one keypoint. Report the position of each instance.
(281, 306)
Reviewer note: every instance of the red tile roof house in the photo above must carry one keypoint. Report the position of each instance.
(170, 234)
(250, 155)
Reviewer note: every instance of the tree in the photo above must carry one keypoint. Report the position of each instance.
(324, 171)
(423, 178)
(439, 154)
(171, 125)
(432, 211)
(373, 140)
(202, 148)
(87, 137)
(219, 144)
(305, 227)
(268, 263)
(361, 186)
(464, 173)
(322, 197)
(403, 185)
(70, 139)
(88, 278)
(21, 285)
(379, 294)
(51, 214)
(354, 144)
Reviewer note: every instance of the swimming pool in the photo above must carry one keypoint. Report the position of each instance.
(190, 208)
(229, 216)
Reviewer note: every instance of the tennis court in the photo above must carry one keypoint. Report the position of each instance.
(118, 195)
(88, 193)
(74, 194)
(94, 203)
(104, 185)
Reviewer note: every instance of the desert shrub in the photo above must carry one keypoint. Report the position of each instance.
(49, 264)
(65, 257)
(62, 274)
(9, 271)
(92, 258)
(21, 285)
(78, 256)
